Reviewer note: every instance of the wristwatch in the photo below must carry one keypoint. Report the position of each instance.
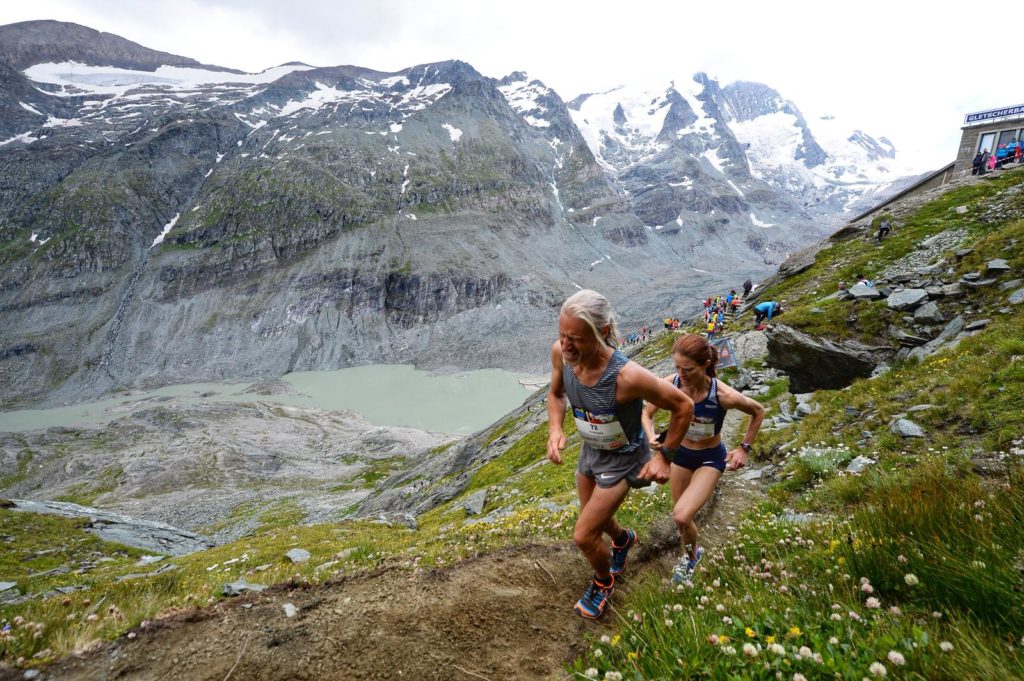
(746, 447)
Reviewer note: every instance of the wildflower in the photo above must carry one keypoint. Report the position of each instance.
(631, 655)
(598, 653)
(615, 639)
(873, 602)
(678, 607)
(877, 669)
(713, 639)
(946, 646)
(720, 608)
(704, 600)
(750, 633)
(749, 650)
(793, 632)
(901, 559)
(978, 565)
(668, 622)
(896, 658)
(818, 659)
(936, 614)
(769, 639)
(591, 673)
(799, 677)
(727, 619)
(833, 640)
(613, 676)
(804, 653)
(783, 589)
(867, 588)
(854, 616)
(729, 650)
(835, 617)
(777, 649)
(605, 638)
(911, 579)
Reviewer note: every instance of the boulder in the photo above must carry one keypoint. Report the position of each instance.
(474, 503)
(951, 290)
(979, 283)
(817, 363)
(297, 555)
(859, 464)
(929, 313)
(239, 587)
(906, 428)
(961, 210)
(978, 324)
(1017, 297)
(963, 253)
(997, 266)
(906, 299)
(1013, 283)
(862, 292)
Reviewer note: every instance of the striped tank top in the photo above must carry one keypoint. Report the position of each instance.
(604, 424)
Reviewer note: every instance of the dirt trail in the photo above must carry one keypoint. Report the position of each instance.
(507, 615)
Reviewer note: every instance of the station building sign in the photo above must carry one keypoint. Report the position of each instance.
(992, 114)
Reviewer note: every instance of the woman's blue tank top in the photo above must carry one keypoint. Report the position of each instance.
(706, 413)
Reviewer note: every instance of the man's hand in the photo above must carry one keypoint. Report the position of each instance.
(556, 443)
(657, 470)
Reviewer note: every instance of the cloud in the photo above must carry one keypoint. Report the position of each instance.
(877, 63)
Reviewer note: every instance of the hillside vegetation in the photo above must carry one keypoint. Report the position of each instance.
(912, 567)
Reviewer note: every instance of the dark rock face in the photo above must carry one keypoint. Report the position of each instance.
(342, 215)
(816, 363)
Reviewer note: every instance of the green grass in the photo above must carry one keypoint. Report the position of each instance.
(86, 493)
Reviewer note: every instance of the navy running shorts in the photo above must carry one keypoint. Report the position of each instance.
(692, 459)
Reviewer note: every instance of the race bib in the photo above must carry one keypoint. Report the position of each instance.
(701, 428)
(600, 431)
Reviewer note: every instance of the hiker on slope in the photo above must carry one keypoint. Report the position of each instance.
(606, 392)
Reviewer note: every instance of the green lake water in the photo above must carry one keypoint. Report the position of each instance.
(384, 394)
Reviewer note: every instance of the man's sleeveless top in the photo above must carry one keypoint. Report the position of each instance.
(708, 414)
(602, 423)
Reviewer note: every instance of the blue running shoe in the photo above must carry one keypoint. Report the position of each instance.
(619, 553)
(683, 572)
(594, 600)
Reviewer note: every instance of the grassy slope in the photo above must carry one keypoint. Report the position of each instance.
(974, 390)
(915, 565)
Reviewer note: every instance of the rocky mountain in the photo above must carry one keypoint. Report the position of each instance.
(164, 221)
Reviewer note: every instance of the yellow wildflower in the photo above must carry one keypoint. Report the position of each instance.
(794, 632)
(769, 640)
(616, 639)
(631, 655)
(750, 633)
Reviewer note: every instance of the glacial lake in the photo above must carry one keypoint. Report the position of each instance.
(384, 394)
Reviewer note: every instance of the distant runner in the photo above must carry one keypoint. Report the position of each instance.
(699, 462)
(768, 309)
(606, 392)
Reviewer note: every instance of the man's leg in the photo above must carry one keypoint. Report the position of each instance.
(597, 517)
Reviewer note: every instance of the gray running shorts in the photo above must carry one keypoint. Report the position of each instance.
(607, 468)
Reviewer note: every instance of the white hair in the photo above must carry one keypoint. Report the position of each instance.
(596, 311)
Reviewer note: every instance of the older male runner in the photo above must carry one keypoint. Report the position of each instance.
(606, 392)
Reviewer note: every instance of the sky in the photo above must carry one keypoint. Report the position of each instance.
(907, 70)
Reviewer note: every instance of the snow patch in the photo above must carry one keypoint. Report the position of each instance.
(167, 228)
(757, 223)
(27, 107)
(25, 137)
(454, 133)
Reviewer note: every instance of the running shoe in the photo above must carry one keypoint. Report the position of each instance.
(683, 572)
(619, 553)
(594, 600)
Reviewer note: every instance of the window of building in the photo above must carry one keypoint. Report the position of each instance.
(1007, 136)
(987, 142)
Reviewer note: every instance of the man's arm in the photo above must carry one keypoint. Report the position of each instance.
(556, 407)
(636, 382)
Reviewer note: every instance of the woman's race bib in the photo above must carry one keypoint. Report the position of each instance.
(600, 431)
(701, 428)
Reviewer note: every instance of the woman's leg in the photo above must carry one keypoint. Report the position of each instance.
(698, 487)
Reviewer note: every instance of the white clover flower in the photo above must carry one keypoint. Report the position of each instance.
(668, 622)
(946, 646)
(873, 602)
(728, 650)
(911, 579)
(777, 649)
(818, 658)
(835, 617)
(605, 638)
(804, 653)
(727, 619)
(591, 673)
(749, 650)
(867, 588)
(896, 658)
(613, 676)
(833, 640)
(678, 607)
(901, 559)
(878, 669)
(720, 607)
(598, 653)
(799, 677)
